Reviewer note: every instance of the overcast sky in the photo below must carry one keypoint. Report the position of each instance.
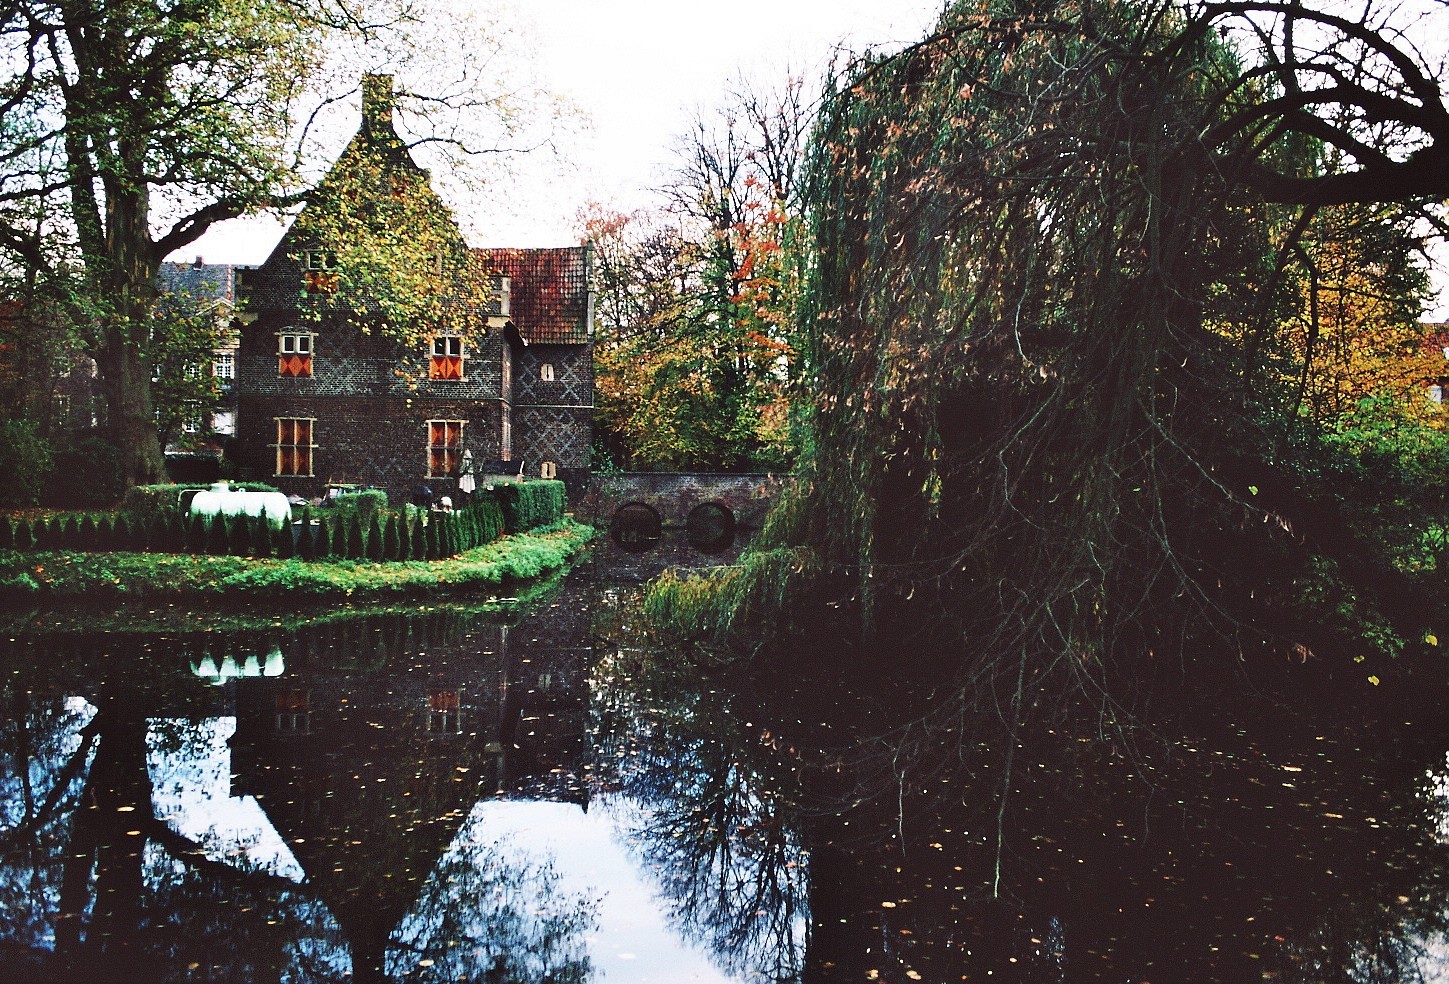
(637, 70)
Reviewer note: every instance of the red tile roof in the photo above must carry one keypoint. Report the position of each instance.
(549, 292)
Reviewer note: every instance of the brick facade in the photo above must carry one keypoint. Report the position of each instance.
(525, 392)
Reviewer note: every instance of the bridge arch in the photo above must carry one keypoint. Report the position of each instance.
(710, 527)
(698, 514)
(636, 527)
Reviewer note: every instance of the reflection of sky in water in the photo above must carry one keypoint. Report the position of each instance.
(30, 896)
(190, 765)
(56, 741)
(629, 940)
(582, 853)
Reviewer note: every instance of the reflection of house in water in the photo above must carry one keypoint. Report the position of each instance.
(369, 752)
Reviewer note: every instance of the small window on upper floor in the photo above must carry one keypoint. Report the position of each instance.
(545, 372)
(446, 358)
(433, 262)
(223, 365)
(321, 275)
(548, 470)
(294, 353)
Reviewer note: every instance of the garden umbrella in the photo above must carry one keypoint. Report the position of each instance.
(466, 483)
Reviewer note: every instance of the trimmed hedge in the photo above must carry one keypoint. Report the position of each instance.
(151, 521)
(529, 504)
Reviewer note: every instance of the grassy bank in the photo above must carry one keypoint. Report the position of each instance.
(31, 578)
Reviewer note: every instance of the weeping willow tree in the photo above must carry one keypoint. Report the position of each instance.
(1048, 242)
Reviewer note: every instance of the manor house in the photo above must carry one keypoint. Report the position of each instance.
(322, 399)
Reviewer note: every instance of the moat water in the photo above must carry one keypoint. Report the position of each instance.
(446, 793)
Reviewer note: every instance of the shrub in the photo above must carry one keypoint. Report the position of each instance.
(324, 538)
(531, 504)
(306, 537)
(216, 538)
(366, 504)
(88, 535)
(25, 463)
(391, 540)
(154, 501)
(355, 547)
(87, 475)
(283, 545)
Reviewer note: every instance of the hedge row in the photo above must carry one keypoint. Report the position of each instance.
(317, 534)
(151, 520)
(531, 504)
(149, 503)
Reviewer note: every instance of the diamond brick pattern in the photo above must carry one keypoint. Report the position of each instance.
(294, 365)
(372, 401)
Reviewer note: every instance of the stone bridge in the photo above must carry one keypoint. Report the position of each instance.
(695, 517)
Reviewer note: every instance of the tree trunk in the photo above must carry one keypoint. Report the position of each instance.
(130, 269)
(130, 417)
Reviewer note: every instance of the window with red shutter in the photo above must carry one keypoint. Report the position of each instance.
(294, 353)
(445, 447)
(294, 445)
(446, 359)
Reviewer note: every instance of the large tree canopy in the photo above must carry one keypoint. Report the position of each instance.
(1050, 241)
(129, 129)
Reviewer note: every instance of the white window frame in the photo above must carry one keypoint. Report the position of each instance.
(295, 343)
(311, 447)
(455, 449)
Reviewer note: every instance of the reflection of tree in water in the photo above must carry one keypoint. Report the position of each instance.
(712, 818)
(1398, 931)
(1238, 840)
(133, 900)
(44, 754)
(489, 918)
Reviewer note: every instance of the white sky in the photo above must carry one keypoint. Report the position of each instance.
(637, 70)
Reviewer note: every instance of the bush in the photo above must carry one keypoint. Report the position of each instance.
(531, 504)
(87, 475)
(25, 463)
(365, 504)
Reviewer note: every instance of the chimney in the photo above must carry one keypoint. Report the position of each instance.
(377, 103)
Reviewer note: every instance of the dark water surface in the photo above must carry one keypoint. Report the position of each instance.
(442, 794)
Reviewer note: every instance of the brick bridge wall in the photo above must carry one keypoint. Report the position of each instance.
(672, 495)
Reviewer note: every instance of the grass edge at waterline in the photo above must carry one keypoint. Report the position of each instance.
(28, 578)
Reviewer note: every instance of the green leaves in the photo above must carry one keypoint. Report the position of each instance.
(395, 260)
